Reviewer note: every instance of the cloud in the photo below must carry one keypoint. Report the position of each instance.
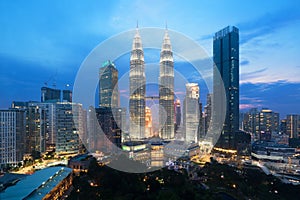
(245, 62)
(248, 106)
(281, 96)
(267, 24)
(253, 76)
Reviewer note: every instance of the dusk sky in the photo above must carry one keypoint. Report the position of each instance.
(46, 41)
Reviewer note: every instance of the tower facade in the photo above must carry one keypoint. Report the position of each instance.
(191, 113)
(108, 86)
(12, 136)
(166, 89)
(137, 84)
(226, 61)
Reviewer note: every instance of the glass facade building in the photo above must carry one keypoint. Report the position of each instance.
(226, 62)
(108, 86)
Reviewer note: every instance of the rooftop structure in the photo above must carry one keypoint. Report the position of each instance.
(40, 185)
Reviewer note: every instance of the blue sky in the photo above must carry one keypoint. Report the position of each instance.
(46, 41)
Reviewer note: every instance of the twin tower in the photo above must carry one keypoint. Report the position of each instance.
(137, 84)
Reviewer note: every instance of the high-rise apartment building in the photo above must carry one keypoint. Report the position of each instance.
(137, 84)
(261, 124)
(69, 124)
(293, 126)
(268, 123)
(166, 89)
(226, 62)
(191, 112)
(108, 86)
(40, 126)
(12, 137)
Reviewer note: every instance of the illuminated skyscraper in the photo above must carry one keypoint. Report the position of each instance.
(166, 89)
(226, 61)
(148, 123)
(191, 112)
(177, 110)
(108, 86)
(293, 126)
(137, 84)
(12, 136)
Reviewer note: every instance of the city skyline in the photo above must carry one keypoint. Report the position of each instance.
(52, 50)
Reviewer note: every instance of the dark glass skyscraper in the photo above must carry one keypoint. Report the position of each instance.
(226, 61)
(108, 86)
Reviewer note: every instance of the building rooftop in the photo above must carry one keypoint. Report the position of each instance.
(36, 186)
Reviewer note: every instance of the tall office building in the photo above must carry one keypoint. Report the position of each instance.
(148, 123)
(108, 86)
(177, 115)
(12, 137)
(69, 124)
(226, 61)
(293, 126)
(261, 124)
(166, 89)
(35, 137)
(191, 112)
(50, 95)
(40, 125)
(207, 113)
(268, 123)
(137, 84)
(110, 121)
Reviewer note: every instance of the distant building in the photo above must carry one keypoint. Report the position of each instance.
(226, 62)
(251, 122)
(261, 124)
(293, 126)
(207, 113)
(12, 137)
(50, 95)
(108, 86)
(191, 112)
(80, 163)
(268, 124)
(283, 126)
(177, 111)
(67, 96)
(148, 122)
(40, 126)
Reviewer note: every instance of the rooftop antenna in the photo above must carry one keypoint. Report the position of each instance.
(166, 25)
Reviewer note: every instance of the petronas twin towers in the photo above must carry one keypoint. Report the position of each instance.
(137, 82)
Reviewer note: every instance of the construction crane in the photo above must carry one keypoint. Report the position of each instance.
(53, 77)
